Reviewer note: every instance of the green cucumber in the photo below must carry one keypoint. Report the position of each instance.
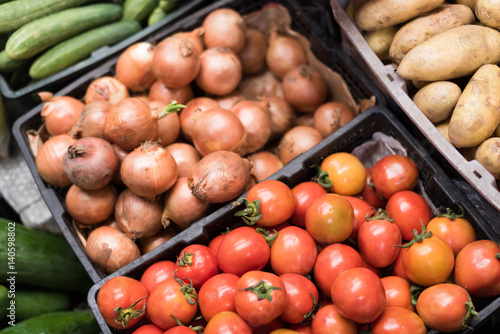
(15, 14)
(156, 15)
(138, 10)
(33, 302)
(47, 31)
(8, 65)
(81, 322)
(39, 259)
(80, 47)
(168, 5)
(4, 301)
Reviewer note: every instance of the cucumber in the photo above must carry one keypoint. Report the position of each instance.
(8, 65)
(33, 302)
(81, 322)
(47, 31)
(156, 15)
(80, 47)
(4, 301)
(3, 40)
(168, 5)
(138, 10)
(39, 259)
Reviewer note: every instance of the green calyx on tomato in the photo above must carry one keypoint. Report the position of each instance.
(415, 291)
(187, 289)
(323, 179)
(450, 214)
(251, 214)
(186, 259)
(262, 290)
(417, 237)
(197, 329)
(124, 315)
(378, 214)
(471, 312)
(266, 234)
(310, 315)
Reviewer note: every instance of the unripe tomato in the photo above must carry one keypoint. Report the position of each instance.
(346, 172)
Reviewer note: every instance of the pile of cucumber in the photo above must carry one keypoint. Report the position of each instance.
(41, 38)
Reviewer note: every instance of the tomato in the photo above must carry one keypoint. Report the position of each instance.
(268, 203)
(284, 331)
(361, 209)
(408, 209)
(397, 292)
(331, 261)
(398, 269)
(301, 329)
(268, 328)
(172, 298)
(180, 330)
(122, 301)
(197, 263)
(377, 271)
(217, 295)
(394, 173)
(398, 320)
(304, 194)
(328, 320)
(370, 195)
(358, 294)
(215, 243)
(477, 268)
(445, 307)
(346, 173)
(157, 273)
(293, 251)
(259, 297)
(148, 329)
(243, 249)
(227, 322)
(301, 295)
(330, 218)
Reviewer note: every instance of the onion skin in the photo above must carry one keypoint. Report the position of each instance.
(91, 207)
(198, 104)
(133, 67)
(49, 160)
(261, 85)
(111, 249)
(106, 89)
(220, 177)
(169, 127)
(283, 54)
(330, 116)
(229, 100)
(224, 27)
(281, 114)
(305, 88)
(61, 113)
(92, 120)
(257, 123)
(220, 71)
(264, 164)
(296, 141)
(195, 36)
(186, 157)
(253, 53)
(120, 154)
(164, 94)
(148, 244)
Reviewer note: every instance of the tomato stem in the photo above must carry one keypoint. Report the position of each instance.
(417, 237)
(415, 291)
(186, 259)
(323, 179)
(450, 214)
(251, 214)
(378, 214)
(123, 316)
(309, 315)
(265, 233)
(262, 290)
(197, 329)
(471, 312)
(171, 108)
(187, 289)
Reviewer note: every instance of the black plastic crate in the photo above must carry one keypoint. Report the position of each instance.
(439, 189)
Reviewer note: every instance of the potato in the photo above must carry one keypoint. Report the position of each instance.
(496, 133)
(424, 27)
(488, 155)
(437, 100)
(452, 54)
(380, 41)
(477, 113)
(468, 3)
(488, 12)
(443, 128)
(378, 14)
(352, 7)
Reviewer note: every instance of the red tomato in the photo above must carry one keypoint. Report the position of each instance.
(444, 307)
(243, 249)
(227, 322)
(398, 269)
(398, 320)
(377, 271)
(304, 194)
(217, 295)
(122, 301)
(215, 242)
(331, 261)
(149, 329)
(358, 294)
(361, 209)
(157, 273)
(260, 297)
(293, 251)
(477, 268)
(408, 209)
(330, 218)
(269, 327)
(301, 295)
(301, 329)
(197, 263)
(370, 195)
(346, 172)
(394, 173)
(397, 292)
(180, 330)
(328, 320)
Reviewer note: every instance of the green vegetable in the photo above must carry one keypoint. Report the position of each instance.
(156, 15)
(4, 301)
(33, 302)
(8, 65)
(4, 131)
(168, 5)
(138, 10)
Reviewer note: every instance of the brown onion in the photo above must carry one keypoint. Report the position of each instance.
(260, 85)
(199, 104)
(49, 160)
(195, 36)
(133, 67)
(169, 127)
(106, 89)
(296, 141)
(111, 222)
(282, 115)
(149, 170)
(186, 157)
(218, 129)
(253, 53)
(330, 116)
(181, 207)
(176, 62)
(136, 216)
(305, 88)
(61, 113)
(220, 71)
(257, 123)
(91, 207)
(284, 53)
(92, 120)
(304, 119)
(220, 177)
(111, 249)
(120, 154)
(150, 243)
(224, 27)
(227, 101)
(264, 164)
(164, 94)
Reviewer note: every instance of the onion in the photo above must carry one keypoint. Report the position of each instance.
(150, 243)
(90, 163)
(111, 222)
(92, 120)
(264, 164)
(199, 104)
(256, 121)
(111, 249)
(106, 89)
(282, 115)
(224, 27)
(149, 170)
(305, 88)
(227, 101)
(186, 157)
(284, 53)
(195, 36)
(164, 94)
(133, 67)
(260, 85)
(296, 141)
(60, 114)
(304, 119)
(169, 127)
(220, 71)
(45, 96)
(218, 129)
(49, 160)
(136, 216)
(330, 116)
(91, 207)
(220, 177)
(181, 207)
(253, 53)
(176, 62)
(120, 154)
